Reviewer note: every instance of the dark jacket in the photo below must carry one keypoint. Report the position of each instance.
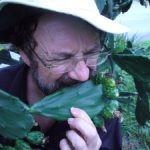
(13, 80)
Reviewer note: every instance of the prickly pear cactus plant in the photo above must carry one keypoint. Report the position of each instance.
(86, 96)
(22, 145)
(36, 137)
(16, 120)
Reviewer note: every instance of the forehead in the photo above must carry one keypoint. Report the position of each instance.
(60, 30)
(54, 17)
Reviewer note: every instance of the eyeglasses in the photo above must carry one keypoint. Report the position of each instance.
(92, 60)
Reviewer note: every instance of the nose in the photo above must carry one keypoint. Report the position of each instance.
(80, 72)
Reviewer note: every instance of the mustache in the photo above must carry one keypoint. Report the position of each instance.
(65, 80)
(62, 82)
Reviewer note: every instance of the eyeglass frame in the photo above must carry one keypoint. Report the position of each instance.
(49, 66)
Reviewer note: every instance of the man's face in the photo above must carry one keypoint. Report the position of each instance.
(64, 43)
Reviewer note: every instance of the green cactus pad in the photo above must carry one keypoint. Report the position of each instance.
(22, 145)
(35, 137)
(109, 82)
(15, 121)
(8, 148)
(86, 96)
(111, 92)
(110, 107)
(98, 121)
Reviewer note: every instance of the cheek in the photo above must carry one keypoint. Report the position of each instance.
(48, 75)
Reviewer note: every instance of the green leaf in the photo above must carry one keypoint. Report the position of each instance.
(8, 148)
(110, 107)
(142, 2)
(15, 121)
(22, 145)
(98, 121)
(36, 137)
(142, 111)
(1, 47)
(100, 4)
(2, 5)
(110, 9)
(5, 46)
(86, 96)
(125, 5)
(137, 66)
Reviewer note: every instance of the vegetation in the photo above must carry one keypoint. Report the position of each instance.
(129, 64)
(135, 136)
(135, 79)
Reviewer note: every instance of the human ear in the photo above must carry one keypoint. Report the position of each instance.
(24, 58)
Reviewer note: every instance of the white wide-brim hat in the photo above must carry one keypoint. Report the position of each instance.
(84, 9)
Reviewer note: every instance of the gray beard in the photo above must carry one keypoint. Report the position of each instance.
(48, 88)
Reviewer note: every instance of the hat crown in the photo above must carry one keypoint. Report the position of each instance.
(80, 4)
(84, 9)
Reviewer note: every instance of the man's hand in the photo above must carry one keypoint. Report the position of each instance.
(83, 135)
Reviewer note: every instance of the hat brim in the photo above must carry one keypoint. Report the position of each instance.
(84, 9)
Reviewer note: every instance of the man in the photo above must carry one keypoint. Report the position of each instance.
(59, 43)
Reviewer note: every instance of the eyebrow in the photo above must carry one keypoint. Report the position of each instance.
(61, 55)
(58, 54)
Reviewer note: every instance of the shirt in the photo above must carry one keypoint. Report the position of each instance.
(13, 79)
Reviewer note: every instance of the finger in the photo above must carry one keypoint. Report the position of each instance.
(85, 126)
(76, 140)
(88, 131)
(64, 145)
(79, 113)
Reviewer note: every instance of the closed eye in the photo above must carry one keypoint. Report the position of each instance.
(92, 52)
(62, 57)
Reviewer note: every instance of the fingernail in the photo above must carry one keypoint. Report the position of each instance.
(75, 111)
(70, 120)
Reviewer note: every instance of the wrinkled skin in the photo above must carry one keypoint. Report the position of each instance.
(78, 138)
(59, 37)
